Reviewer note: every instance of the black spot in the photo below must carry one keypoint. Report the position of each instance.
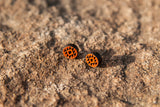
(69, 52)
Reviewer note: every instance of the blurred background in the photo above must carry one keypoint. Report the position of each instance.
(34, 72)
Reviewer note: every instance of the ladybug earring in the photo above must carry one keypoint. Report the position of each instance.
(70, 51)
(93, 59)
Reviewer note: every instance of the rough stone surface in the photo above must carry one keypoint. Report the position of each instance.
(33, 71)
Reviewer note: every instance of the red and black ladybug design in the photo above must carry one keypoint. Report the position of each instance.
(93, 59)
(70, 51)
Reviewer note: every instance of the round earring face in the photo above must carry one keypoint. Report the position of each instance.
(93, 60)
(70, 51)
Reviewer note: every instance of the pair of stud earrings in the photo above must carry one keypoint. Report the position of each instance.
(92, 59)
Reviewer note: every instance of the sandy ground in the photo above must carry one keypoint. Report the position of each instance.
(34, 72)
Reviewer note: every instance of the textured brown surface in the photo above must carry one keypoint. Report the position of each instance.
(34, 72)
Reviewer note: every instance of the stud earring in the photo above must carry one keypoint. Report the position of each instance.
(70, 51)
(93, 59)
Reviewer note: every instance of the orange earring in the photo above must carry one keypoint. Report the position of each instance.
(93, 59)
(70, 51)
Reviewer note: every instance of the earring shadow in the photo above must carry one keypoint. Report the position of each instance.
(109, 60)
